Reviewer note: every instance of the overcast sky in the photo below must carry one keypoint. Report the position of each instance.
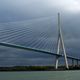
(26, 10)
(11, 10)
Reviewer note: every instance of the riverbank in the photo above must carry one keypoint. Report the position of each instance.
(37, 68)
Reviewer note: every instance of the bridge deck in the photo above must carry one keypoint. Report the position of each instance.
(35, 50)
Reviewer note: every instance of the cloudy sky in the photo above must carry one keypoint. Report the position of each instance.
(11, 10)
(38, 18)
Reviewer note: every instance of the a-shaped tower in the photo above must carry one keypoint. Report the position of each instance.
(60, 45)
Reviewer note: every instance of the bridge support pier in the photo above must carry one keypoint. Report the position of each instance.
(73, 62)
(77, 63)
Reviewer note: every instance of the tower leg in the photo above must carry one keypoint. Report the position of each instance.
(65, 56)
(57, 62)
(57, 57)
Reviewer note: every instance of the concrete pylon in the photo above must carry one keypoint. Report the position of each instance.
(60, 44)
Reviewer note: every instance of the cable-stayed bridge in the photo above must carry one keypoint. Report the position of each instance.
(39, 41)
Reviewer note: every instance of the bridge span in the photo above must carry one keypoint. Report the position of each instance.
(40, 51)
(60, 46)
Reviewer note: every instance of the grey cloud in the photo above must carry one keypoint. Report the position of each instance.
(36, 23)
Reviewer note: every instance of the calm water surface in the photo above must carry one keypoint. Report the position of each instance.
(46, 75)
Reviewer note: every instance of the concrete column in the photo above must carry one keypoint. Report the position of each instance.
(57, 61)
(77, 62)
(73, 62)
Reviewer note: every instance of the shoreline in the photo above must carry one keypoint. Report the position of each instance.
(37, 68)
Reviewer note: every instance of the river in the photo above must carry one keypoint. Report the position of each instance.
(41, 75)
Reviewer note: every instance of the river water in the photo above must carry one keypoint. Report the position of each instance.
(41, 75)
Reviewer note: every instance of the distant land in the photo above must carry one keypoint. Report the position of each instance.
(38, 68)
